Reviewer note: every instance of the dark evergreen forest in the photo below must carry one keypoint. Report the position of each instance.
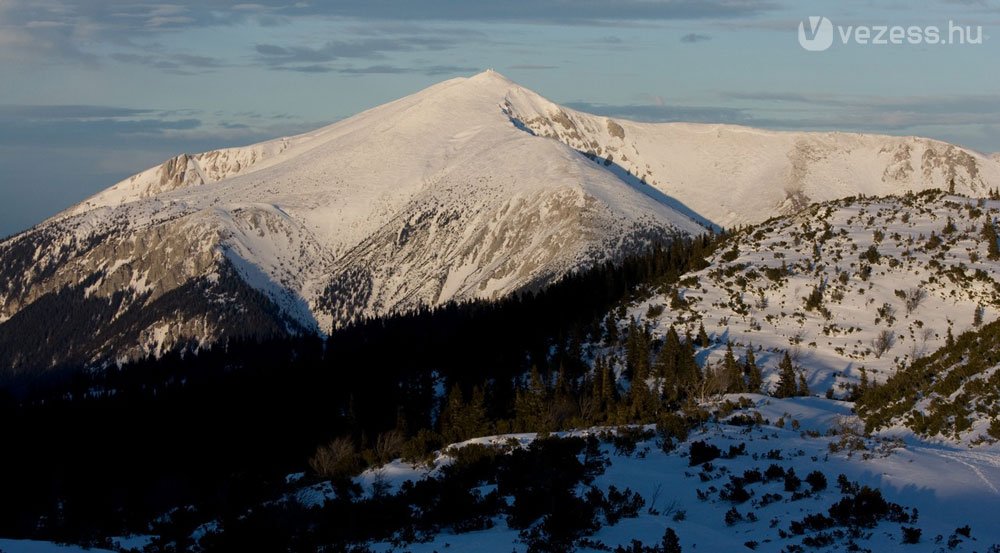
(92, 453)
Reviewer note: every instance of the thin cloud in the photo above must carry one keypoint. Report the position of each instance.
(430, 70)
(692, 38)
(63, 30)
(179, 64)
(48, 112)
(367, 48)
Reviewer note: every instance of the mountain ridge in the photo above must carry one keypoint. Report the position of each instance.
(472, 188)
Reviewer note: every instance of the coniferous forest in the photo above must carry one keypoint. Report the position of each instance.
(219, 430)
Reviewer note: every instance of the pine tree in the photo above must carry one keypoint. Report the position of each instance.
(671, 543)
(451, 414)
(666, 359)
(703, 336)
(637, 345)
(754, 378)
(610, 331)
(689, 374)
(594, 379)
(990, 236)
(977, 317)
(803, 385)
(474, 420)
(529, 404)
(787, 383)
(733, 375)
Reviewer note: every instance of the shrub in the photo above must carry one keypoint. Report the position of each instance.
(733, 516)
(792, 482)
(622, 504)
(388, 446)
(421, 446)
(816, 481)
(911, 535)
(654, 311)
(914, 297)
(866, 508)
(702, 452)
(337, 459)
(774, 472)
(734, 491)
(871, 255)
(625, 439)
(883, 342)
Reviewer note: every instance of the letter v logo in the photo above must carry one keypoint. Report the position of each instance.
(819, 36)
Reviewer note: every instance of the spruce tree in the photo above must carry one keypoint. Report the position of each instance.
(451, 414)
(474, 420)
(703, 336)
(529, 404)
(787, 383)
(595, 379)
(733, 372)
(803, 385)
(689, 374)
(610, 331)
(637, 345)
(667, 358)
(671, 543)
(754, 378)
(990, 235)
(609, 386)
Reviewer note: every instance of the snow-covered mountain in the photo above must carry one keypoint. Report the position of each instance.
(853, 285)
(451, 193)
(732, 175)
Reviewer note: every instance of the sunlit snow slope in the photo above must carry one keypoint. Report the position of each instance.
(458, 191)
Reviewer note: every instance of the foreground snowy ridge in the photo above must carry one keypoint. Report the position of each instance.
(941, 489)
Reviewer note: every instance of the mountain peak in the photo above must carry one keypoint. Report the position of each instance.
(491, 76)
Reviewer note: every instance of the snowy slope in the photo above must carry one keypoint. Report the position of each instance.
(950, 487)
(732, 175)
(434, 197)
(756, 288)
(448, 194)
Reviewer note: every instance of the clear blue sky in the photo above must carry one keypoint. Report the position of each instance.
(95, 90)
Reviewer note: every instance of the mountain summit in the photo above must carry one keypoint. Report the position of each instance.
(472, 188)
